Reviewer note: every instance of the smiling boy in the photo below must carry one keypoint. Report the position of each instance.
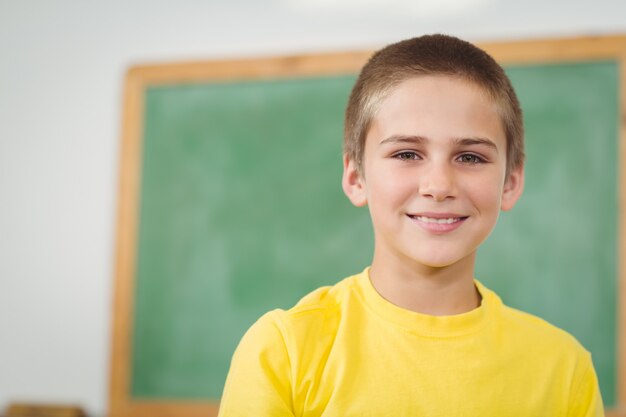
(434, 147)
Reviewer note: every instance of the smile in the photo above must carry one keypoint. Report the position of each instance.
(440, 221)
(438, 225)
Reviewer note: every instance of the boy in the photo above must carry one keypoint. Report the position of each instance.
(434, 147)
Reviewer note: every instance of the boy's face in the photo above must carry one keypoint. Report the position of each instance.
(433, 172)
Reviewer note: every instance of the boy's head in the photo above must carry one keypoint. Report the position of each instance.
(434, 148)
(430, 55)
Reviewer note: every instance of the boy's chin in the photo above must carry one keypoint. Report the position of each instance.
(438, 262)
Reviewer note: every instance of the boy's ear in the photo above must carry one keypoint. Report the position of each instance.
(352, 183)
(513, 187)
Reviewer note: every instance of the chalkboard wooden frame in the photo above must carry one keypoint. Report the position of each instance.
(139, 78)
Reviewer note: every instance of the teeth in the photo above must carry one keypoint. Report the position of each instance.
(441, 221)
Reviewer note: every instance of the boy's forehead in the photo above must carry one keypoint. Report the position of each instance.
(440, 105)
(436, 84)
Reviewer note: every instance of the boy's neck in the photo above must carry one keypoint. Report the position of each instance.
(427, 290)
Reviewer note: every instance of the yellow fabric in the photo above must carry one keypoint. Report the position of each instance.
(345, 351)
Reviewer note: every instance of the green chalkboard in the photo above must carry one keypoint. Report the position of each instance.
(241, 211)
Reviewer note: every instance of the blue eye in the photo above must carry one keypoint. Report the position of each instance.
(468, 158)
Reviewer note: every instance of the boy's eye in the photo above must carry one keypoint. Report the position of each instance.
(468, 158)
(406, 155)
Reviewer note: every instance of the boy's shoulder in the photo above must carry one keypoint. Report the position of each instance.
(537, 333)
(324, 298)
(317, 309)
(315, 317)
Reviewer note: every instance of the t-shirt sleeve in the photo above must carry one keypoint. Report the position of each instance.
(259, 380)
(585, 398)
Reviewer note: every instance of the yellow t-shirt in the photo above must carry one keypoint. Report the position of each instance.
(346, 351)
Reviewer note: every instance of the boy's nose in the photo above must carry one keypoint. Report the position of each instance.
(438, 183)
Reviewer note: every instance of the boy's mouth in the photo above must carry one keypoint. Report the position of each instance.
(443, 220)
(438, 222)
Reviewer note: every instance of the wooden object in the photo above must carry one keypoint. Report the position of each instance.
(43, 410)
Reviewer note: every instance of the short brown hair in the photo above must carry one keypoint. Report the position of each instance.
(430, 55)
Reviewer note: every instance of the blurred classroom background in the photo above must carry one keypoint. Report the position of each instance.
(62, 66)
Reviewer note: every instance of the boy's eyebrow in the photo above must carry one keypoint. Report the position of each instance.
(476, 141)
(458, 141)
(403, 139)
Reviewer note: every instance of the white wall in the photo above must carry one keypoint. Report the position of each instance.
(61, 72)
